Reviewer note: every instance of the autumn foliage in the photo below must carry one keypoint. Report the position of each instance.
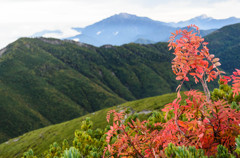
(197, 121)
(133, 138)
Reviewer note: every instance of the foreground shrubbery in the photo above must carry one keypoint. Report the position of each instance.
(202, 125)
(207, 123)
(83, 145)
(87, 143)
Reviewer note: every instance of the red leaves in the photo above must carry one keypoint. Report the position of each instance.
(117, 116)
(186, 79)
(132, 140)
(199, 122)
(207, 123)
(236, 82)
(225, 79)
(190, 60)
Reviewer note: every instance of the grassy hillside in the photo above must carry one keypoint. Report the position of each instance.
(225, 44)
(38, 89)
(39, 140)
(47, 81)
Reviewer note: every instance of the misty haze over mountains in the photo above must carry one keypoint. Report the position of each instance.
(125, 28)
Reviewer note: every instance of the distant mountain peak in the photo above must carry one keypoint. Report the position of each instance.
(203, 16)
(125, 15)
(205, 22)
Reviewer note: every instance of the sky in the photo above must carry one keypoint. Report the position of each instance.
(23, 18)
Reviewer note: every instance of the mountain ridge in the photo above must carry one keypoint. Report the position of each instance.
(145, 28)
(225, 44)
(205, 22)
(124, 28)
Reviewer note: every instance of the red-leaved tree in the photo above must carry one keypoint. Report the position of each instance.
(198, 122)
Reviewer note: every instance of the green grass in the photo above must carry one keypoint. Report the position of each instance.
(39, 140)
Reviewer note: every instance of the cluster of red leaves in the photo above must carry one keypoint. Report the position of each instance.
(206, 125)
(131, 140)
(235, 81)
(200, 122)
(225, 79)
(190, 59)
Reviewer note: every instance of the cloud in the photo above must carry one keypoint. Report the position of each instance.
(64, 33)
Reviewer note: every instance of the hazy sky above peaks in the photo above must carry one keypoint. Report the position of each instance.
(22, 18)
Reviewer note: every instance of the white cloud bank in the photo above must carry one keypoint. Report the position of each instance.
(64, 33)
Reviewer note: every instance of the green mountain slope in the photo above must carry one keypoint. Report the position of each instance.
(38, 89)
(47, 81)
(225, 44)
(39, 140)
